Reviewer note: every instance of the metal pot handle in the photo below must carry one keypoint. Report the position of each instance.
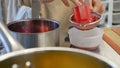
(10, 44)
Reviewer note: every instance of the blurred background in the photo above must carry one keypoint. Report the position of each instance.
(11, 10)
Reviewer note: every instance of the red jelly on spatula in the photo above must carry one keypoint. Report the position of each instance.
(82, 14)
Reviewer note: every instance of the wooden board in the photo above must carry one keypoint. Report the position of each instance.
(112, 38)
(116, 29)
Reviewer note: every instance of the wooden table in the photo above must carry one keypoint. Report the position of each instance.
(112, 37)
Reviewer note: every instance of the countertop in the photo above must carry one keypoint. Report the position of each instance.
(107, 51)
(110, 48)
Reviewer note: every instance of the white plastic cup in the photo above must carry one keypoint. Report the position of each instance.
(88, 39)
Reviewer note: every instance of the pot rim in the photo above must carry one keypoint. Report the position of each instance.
(85, 25)
(33, 50)
(13, 22)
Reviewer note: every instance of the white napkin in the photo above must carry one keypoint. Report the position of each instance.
(23, 13)
(14, 12)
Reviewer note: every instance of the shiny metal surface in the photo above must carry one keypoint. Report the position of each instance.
(58, 11)
(35, 32)
(87, 26)
(35, 11)
(54, 57)
(8, 41)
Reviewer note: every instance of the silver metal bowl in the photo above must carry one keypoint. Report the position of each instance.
(86, 26)
(54, 57)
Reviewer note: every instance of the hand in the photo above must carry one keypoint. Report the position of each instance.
(76, 2)
(95, 5)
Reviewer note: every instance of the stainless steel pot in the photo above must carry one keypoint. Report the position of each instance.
(10, 44)
(49, 57)
(35, 32)
(54, 57)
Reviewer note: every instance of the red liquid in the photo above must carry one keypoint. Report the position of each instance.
(33, 26)
(93, 18)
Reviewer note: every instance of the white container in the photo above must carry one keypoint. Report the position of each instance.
(88, 39)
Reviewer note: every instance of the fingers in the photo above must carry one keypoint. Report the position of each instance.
(97, 6)
(66, 3)
(98, 10)
(91, 4)
(77, 2)
(101, 10)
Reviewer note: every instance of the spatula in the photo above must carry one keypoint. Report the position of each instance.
(82, 13)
